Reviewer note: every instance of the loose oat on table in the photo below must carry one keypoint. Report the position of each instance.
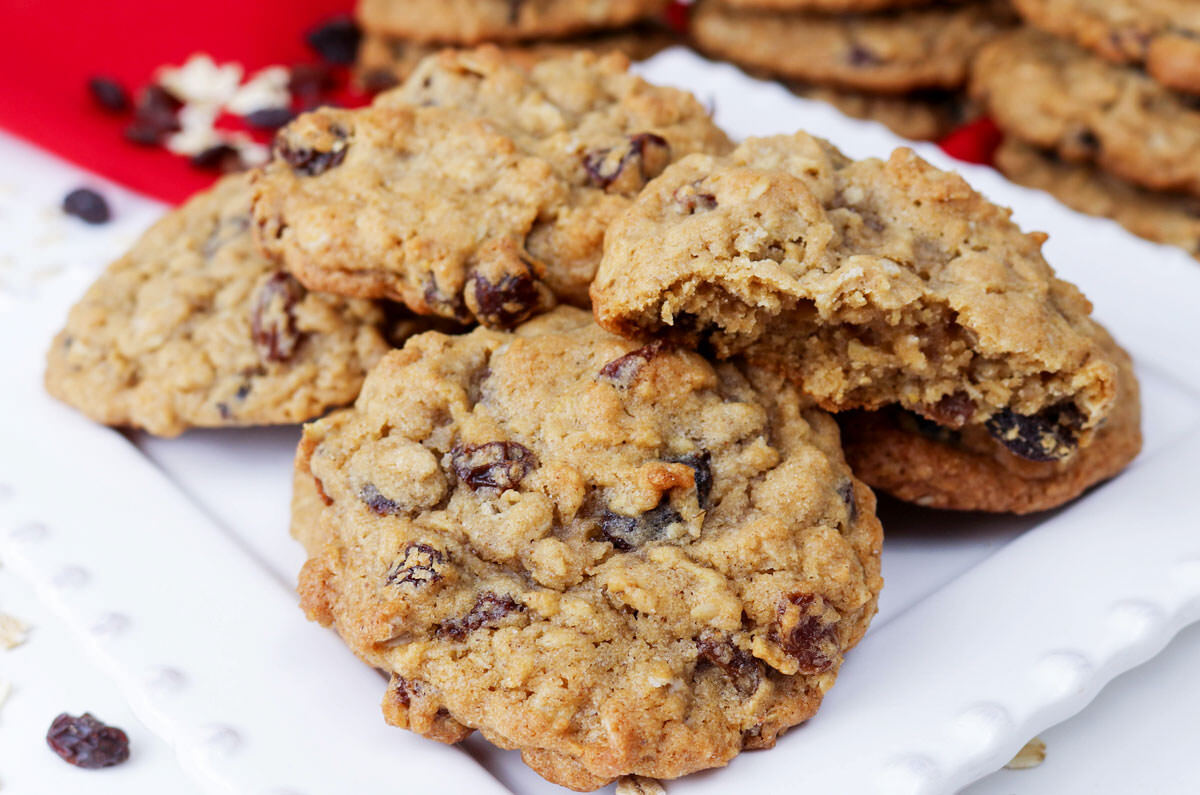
(13, 631)
(468, 22)
(1161, 35)
(1032, 754)
(1056, 96)
(477, 190)
(194, 328)
(870, 283)
(916, 460)
(617, 559)
(1172, 218)
(893, 52)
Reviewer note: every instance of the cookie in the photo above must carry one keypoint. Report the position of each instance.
(892, 52)
(194, 328)
(1056, 96)
(918, 116)
(868, 282)
(617, 559)
(468, 22)
(386, 61)
(968, 470)
(825, 6)
(478, 190)
(1172, 218)
(1161, 35)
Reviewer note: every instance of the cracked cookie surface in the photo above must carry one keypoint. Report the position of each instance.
(616, 559)
(868, 282)
(1056, 96)
(478, 189)
(893, 52)
(467, 22)
(1161, 35)
(194, 328)
(969, 470)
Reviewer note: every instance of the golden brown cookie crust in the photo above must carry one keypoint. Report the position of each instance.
(975, 473)
(1161, 35)
(616, 559)
(469, 22)
(194, 328)
(1172, 218)
(894, 52)
(479, 190)
(1056, 96)
(868, 282)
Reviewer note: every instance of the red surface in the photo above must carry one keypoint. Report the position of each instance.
(49, 51)
(975, 142)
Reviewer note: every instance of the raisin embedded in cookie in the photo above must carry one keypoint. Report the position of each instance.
(1162, 35)
(1172, 218)
(194, 328)
(479, 189)
(467, 22)
(893, 52)
(617, 559)
(1056, 96)
(387, 61)
(969, 470)
(868, 282)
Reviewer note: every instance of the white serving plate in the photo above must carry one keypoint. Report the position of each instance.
(166, 572)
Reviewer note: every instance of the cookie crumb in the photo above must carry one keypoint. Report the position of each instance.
(1032, 755)
(638, 785)
(13, 632)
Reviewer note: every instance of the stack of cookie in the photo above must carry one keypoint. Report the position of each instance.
(901, 62)
(397, 34)
(630, 540)
(1101, 105)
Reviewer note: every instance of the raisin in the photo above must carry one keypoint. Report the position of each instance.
(269, 118)
(506, 303)
(272, 324)
(915, 423)
(624, 370)
(953, 411)
(86, 742)
(221, 158)
(155, 117)
(398, 690)
(314, 162)
(689, 198)
(87, 205)
(421, 565)
(447, 305)
(109, 94)
(377, 80)
(742, 668)
(861, 56)
(701, 464)
(627, 168)
(489, 609)
(809, 638)
(1087, 142)
(336, 41)
(630, 532)
(495, 465)
(378, 503)
(1050, 435)
(308, 83)
(845, 490)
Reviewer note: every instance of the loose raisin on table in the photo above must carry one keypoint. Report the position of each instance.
(489, 609)
(109, 94)
(1050, 435)
(222, 158)
(496, 465)
(272, 323)
(155, 117)
(336, 41)
(86, 205)
(269, 118)
(86, 742)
